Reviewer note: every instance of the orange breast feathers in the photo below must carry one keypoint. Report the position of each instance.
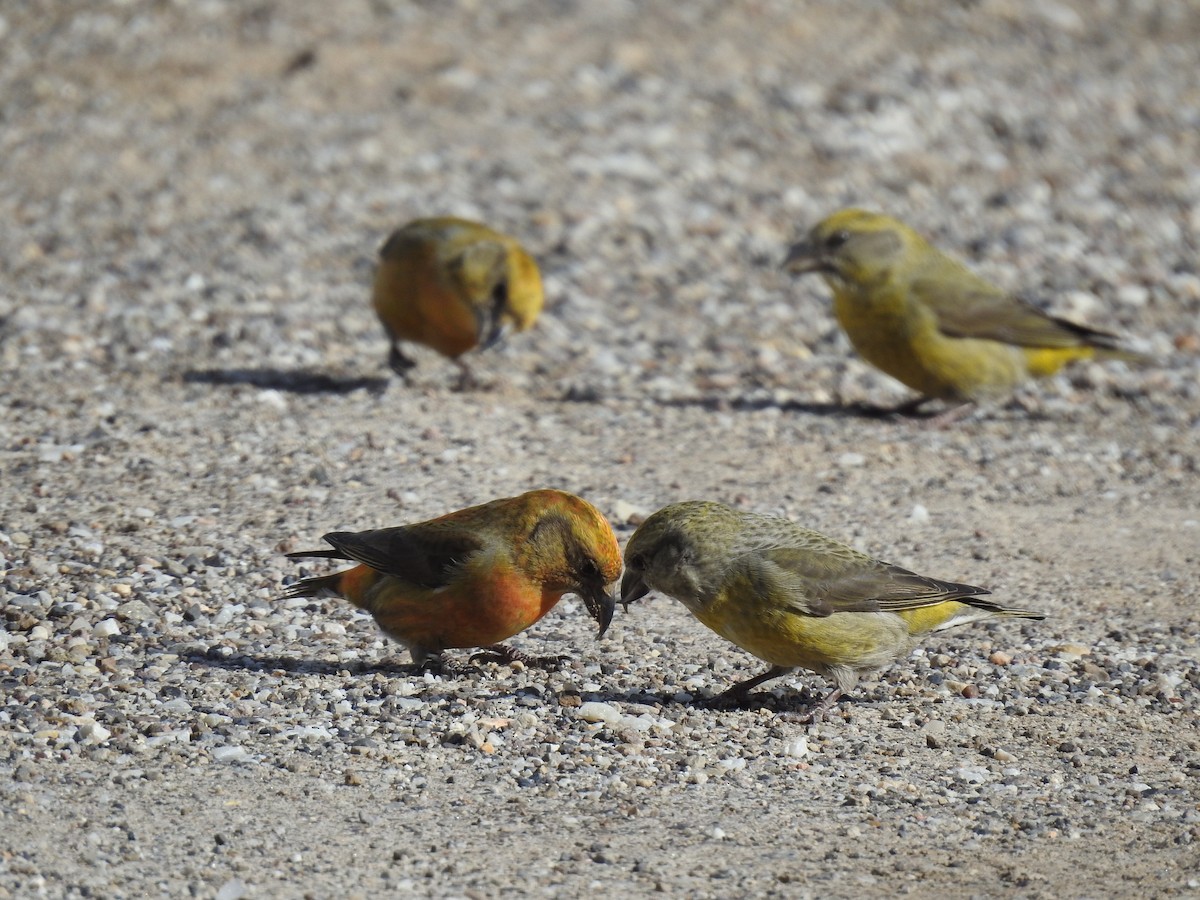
(490, 601)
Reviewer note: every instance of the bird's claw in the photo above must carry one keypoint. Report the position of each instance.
(808, 717)
(398, 362)
(439, 665)
(507, 654)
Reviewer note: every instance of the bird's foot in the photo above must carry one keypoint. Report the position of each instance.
(468, 382)
(910, 407)
(816, 713)
(436, 664)
(950, 416)
(399, 363)
(507, 654)
(736, 696)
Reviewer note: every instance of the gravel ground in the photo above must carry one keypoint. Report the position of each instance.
(194, 383)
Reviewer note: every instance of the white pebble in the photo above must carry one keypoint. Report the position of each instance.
(106, 628)
(39, 633)
(1133, 295)
(230, 754)
(919, 514)
(94, 733)
(796, 746)
(273, 399)
(850, 460)
(624, 511)
(307, 733)
(599, 712)
(972, 774)
(135, 611)
(233, 889)
(226, 614)
(526, 720)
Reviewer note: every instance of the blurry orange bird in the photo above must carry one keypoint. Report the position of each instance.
(453, 285)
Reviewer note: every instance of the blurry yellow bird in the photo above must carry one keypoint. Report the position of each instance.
(477, 576)
(931, 323)
(792, 596)
(453, 285)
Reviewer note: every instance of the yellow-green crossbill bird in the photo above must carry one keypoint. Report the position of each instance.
(453, 285)
(791, 596)
(931, 323)
(478, 576)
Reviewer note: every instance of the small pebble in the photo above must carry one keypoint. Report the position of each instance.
(796, 746)
(230, 754)
(593, 711)
(106, 628)
(94, 733)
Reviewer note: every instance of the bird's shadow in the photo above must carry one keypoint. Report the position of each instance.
(723, 403)
(749, 404)
(793, 702)
(642, 697)
(292, 381)
(300, 666)
(297, 666)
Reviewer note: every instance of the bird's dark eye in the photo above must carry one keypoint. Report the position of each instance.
(637, 561)
(837, 239)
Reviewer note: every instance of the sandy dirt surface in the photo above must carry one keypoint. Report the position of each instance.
(194, 383)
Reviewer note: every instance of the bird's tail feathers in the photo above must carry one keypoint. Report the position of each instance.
(1123, 354)
(321, 586)
(317, 554)
(978, 608)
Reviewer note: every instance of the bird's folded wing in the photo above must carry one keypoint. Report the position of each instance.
(819, 584)
(981, 311)
(424, 557)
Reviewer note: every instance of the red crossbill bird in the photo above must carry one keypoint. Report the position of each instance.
(453, 285)
(790, 596)
(475, 577)
(928, 321)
